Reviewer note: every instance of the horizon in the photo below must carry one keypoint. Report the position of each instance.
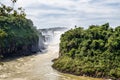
(68, 13)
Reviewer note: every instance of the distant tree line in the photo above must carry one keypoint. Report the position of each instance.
(91, 52)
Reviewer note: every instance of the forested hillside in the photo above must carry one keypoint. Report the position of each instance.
(18, 35)
(90, 52)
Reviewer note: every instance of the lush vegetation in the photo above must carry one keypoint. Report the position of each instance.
(17, 33)
(90, 52)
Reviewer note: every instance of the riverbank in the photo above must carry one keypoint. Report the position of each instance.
(18, 35)
(72, 71)
(36, 67)
(90, 52)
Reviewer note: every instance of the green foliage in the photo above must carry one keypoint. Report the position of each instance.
(10, 11)
(17, 33)
(92, 52)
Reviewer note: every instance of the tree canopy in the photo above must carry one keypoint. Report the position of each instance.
(17, 33)
(92, 52)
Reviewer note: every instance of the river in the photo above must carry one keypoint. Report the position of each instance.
(36, 67)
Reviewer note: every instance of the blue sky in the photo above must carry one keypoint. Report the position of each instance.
(68, 13)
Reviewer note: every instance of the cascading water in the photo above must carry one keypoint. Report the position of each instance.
(37, 67)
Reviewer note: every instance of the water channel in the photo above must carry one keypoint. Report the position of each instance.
(36, 67)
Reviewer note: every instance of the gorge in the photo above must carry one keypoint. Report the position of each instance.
(38, 66)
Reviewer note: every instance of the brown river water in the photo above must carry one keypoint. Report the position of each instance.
(36, 67)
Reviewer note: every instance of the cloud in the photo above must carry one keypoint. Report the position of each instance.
(52, 13)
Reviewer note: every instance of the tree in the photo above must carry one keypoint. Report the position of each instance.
(17, 33)
(92, 52)
(13, 1)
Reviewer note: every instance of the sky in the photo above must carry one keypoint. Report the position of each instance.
(68, 13)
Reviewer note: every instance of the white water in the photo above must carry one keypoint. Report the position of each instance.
(36, 67)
